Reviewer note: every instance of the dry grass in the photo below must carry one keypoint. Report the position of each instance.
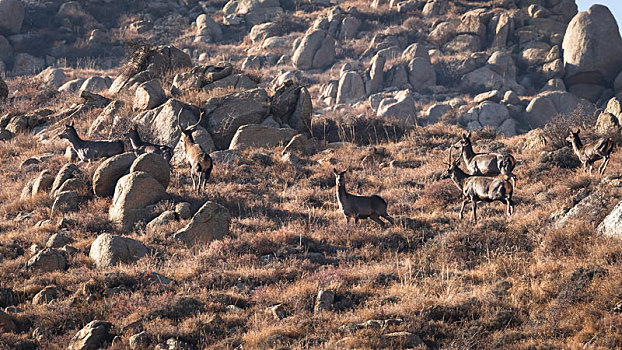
(506, 282)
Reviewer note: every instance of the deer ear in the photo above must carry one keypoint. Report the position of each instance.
(469, 135)
(578, 131)
(335, 171)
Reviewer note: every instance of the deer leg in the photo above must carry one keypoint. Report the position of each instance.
(475, 211)
(389, 219)
(377, 219)
(603, 166)
(462, 207)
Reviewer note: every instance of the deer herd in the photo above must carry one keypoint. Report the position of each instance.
(488, 177)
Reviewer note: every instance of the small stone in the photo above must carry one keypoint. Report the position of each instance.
(324, 300)
(184, 210)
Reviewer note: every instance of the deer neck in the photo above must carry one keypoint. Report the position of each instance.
(577, 145)
(458, 177)
(135, 141)
(468, 153)
(74, 139)
(341, 192)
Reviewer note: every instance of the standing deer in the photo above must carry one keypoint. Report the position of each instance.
(139, 146)
(360, 207)
(199, 160)
(487, 163)
(89, 150)
(590, 153)
(477, 188)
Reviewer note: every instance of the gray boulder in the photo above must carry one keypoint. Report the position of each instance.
(227, 113)
(110, 171)
(48, 260)
(211, 222)
(68, 171)
(208, 31)
(109, 250)
(291, 103)
(134, 196)
(148, 95)
(11, 16)
(547, 106)
(421, 74)
(92, 336)
(316, 50)
(400, 107)
(64, 202)
(612, 224)
(154, 165)
(261, 136)
(161, 123)
(351, 88)
(592, 48)
(52, 77)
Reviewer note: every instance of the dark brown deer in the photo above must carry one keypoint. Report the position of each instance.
(360, 207)
(90, 150)
(489, 164)
(139, 146)
(478, 188)
(199, 160)
(593, 151)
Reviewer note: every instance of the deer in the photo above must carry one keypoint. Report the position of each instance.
(478, 188)
(139, 146)
(591, 152)
(360, 207)
(199, 160)
(90, 150)
(488, 164)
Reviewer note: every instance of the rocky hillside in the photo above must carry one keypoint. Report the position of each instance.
(116, 249)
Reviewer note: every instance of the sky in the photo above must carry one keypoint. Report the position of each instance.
(615, 6)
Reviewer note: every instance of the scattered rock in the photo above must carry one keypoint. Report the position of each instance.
(211, 222)
(324, 300)
(65, 202)
(109, 250)
(48, 260)
(260, 136)
(148, 95)
(93, 336)
(154, 165)
(316, 50)
(110, 171)
(184, 210)
(45, 296)
(134, 194)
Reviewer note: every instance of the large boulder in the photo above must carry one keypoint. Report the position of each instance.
(291, 103)
(421, 74)
(374, 79)
(253, 11)
(11, 16)
(592, 48)
(92, 336)
(133, 199)
(351, 88)
(150, 63)
(148, 95)
(227, 113)
(211, 222)
(65, 202)
(154, 165)
(208, 31)
(110, 171)
(261, 136)
(316, 50)
(547, 106)
(109, 250)
(52, 77)
(263, 31)
(400, 107)
(48, 260)
(612, 224)
(161, 123)
(68, 171)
